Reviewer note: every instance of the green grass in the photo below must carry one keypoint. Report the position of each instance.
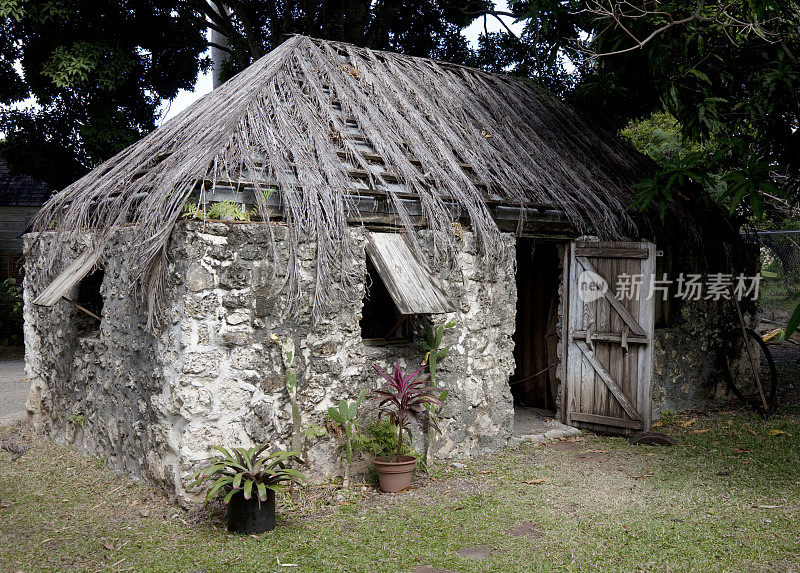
(777, 294)
(617, 508)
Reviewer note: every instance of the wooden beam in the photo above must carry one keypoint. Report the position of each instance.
(606, 420)
(83, 308)
(249, 187)
(611, 252)
(610, 337)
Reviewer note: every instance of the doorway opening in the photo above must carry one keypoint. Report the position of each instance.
(534, 384)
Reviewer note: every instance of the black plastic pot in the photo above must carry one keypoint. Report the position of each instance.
(249, 516)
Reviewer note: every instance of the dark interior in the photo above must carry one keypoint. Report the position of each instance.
(90, 298)
(380, 319)
(536, 336)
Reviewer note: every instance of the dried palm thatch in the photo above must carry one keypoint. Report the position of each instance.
(299, 119)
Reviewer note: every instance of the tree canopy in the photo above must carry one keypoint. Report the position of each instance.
(727, 70)
(98, 71)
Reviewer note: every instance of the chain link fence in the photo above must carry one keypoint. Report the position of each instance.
(780, 266)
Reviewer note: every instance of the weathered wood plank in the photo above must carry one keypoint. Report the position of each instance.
(412, 287)
(614, 253)
(68, 278)
(618, 306)
(566, 291)
(606, 378)
(610, 337)
(607, 421)
(647, 321)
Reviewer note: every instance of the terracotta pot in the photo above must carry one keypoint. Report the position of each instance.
(248, 516)
(395, 476)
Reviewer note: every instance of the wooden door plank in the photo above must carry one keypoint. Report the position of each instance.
(647, 321)
(603, 353)
(573, 320)
(608, 380)
(615, 302)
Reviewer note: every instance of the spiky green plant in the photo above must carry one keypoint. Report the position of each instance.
(247, 470)
(432, 346)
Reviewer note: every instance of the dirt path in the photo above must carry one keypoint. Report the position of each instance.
(13, 391)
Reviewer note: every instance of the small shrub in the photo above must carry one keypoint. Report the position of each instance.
(380, 439)
(667, 416)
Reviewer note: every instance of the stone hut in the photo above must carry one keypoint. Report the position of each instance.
(342, 199)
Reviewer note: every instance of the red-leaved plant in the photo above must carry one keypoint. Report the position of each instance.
(402, 398)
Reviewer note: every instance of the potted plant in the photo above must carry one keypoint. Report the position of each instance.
(249, 478)
(402, 398)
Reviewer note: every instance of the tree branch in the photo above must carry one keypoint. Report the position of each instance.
(611, 14)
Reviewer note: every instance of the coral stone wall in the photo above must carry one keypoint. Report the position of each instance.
(153, 404)
(101, 390)
(230, 379)
(686, 371)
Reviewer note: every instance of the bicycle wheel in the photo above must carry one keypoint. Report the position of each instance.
(768, 375)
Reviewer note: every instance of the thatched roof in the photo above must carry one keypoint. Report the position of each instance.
(312, 116)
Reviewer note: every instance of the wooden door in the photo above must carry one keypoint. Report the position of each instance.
(609, 337)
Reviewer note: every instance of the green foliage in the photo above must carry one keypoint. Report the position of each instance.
(73, 65)
(312, 431)
(432, 345)
(249, 470)
(434, 352)
(667, 416)
(794, 320)
(220, 211)
(346, 416)
(76, 420)
(380, 439)
(98, 74)
(228, 211)
(13, 9)
(659, 137)
(11, 320)
(717, 84)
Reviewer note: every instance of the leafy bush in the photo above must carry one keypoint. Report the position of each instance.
(346, 417)
(10, 313)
